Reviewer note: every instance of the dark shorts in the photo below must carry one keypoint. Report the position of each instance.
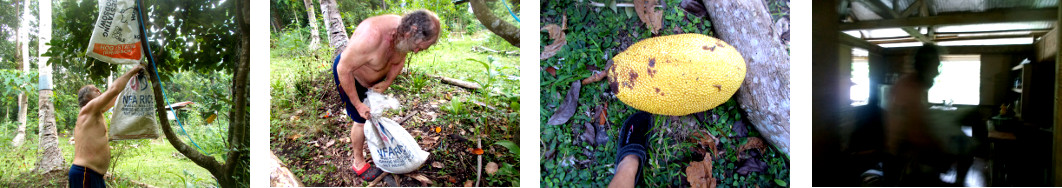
(85, 177)
(351, 111)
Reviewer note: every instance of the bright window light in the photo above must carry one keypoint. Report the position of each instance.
(859, 92)
(959, 81)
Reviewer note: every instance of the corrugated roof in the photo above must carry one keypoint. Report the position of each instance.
(984, 34)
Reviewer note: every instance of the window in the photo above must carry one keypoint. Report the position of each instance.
(959, 81)
(859, 92)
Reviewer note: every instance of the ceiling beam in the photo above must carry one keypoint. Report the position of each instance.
(860, 43)
(942, 38)
(996, 16)
(882, 10)
(979, 49)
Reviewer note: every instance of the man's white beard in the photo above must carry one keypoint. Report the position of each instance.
(404, 46)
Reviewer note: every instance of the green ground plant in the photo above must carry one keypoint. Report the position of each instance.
(306, 114)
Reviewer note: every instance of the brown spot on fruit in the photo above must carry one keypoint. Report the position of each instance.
(720, 43)
(633, 77)
(719, 87)
(611, 67)
(650, 71)
(612, 85)
(657, 89)
(652, 62)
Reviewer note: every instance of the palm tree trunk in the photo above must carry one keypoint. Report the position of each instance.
(337, 33)
(315, 38)
(23, 98)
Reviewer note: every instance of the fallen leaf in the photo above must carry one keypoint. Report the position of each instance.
(491, 168)
(753, 143)
(710, 141)
(568, 107)
(552, 71)
(648, 14)
(699, 173)
(557, 34)
(694, 7)
(420, 177)
(739, 128)
(294, 118)
(295, 136)
(437, 164)
(330, 142)
(468, 183)
(438, 129)
(589, 135)
(452, 179)
(752, 165)
(477, 151)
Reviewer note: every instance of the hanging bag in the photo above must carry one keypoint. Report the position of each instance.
(116, 36)
(133, 116)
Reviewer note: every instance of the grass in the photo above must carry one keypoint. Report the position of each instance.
(310, 134)
(594, 35)
(148, 162)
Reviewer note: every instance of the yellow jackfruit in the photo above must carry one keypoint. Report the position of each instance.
(676, 75)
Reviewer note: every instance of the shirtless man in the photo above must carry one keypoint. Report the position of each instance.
(92, 155)
(374, 56)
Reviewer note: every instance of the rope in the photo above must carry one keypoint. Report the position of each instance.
(511, 11)
(151, 59)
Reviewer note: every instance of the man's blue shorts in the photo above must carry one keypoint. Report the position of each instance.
(351, 111)
(85, 177)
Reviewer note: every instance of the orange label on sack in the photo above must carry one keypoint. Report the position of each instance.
(123, 51)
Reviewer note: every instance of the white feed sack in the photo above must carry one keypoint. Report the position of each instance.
(393, 149)
(134, 111)
(116, 36)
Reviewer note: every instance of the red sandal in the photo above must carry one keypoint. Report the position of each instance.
(367, 172)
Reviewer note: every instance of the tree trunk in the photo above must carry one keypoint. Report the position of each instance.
(337, 33)
(279, 175)
(764, 95)
(23, 98)
(235, 172)
(383, 4)
(49, 157)
(501, 28)
(315, 38)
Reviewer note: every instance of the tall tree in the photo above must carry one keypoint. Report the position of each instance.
(496, 25)
(315, 38)
(23, 98)
(337, 33)
(234, 172)
(49, 157)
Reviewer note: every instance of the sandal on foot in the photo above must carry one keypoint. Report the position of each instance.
(633, 139)
(367, 172)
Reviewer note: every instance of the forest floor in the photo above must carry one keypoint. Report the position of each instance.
(587, 140)
(309, 131)
(135, 163)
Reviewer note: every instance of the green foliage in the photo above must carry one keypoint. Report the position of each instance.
(513, 148)
(595, 35)
(196, 36)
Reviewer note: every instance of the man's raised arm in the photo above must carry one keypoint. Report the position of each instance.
(106, 99)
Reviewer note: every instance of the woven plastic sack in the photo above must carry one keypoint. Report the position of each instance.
(393, 149)
(133, 114)
(116, 36)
